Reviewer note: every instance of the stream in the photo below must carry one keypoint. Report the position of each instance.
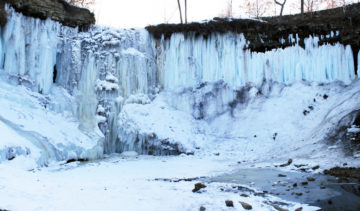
(325, 191)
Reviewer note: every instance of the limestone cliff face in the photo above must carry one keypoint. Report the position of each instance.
(57, 10)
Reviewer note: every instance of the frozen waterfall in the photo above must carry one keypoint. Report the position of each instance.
(193, 60)
(105, 69)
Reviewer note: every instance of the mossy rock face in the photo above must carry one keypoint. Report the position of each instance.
(57, 10)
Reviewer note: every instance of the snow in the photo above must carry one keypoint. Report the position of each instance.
(117, 183)
(353, 130)
(39, 133)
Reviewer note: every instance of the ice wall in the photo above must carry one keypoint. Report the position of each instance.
(29, 49)
(192, 60)
(358, 67)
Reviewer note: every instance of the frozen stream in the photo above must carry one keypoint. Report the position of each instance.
(325, 192)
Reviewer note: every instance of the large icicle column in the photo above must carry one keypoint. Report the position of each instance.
(36, 112)
(193, 60)
(29, 50)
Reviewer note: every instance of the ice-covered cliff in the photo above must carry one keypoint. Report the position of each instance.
(162, 96)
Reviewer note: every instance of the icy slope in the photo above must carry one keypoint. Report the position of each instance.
(33, 130)
(291, 121)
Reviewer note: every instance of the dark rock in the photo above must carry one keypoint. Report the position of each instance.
(325, 96)
(345, 164)
(299, 165)
(322, 187)
(344, 172)
(229, 203)
(274, 136)
(304, 183)
(57, 10)
(202, 208)
(287, 164)
(315, 167)
(279, 208)
(299, 194)
(295, 185)
(281, 175)
(217, 154)
(245, 205)
(78, 159)
(310, 179)
(299, 209)
(244, 195)
(303, 170)
(198, 186)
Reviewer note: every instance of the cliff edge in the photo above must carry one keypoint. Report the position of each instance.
(57, 10)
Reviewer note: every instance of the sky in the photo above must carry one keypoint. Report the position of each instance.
(140, 13)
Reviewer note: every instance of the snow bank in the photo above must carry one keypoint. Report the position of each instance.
(31, 129)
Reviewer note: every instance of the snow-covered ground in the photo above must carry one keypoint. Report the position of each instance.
(118, 183)
(131, 182)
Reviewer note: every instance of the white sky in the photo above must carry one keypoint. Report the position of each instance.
(140, 13)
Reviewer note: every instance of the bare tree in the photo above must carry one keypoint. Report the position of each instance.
(180, 11)
(281, 5)
(227, 12)
(302, 7)
(84, 3)
(256, 8)
(186, 12)
(229, 8)
(335, 3)
(179, 5)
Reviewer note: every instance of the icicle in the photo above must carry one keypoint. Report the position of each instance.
(358, 67)
(191, 61)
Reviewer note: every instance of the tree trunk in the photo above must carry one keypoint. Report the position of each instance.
(302, 7)
(282, 5)
(181, 19)
(186, 17)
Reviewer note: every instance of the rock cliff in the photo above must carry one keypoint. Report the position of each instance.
(57, 10)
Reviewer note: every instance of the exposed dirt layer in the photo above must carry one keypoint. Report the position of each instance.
(57, 10)
(344, 172)
(3, 15)
(266, 34)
